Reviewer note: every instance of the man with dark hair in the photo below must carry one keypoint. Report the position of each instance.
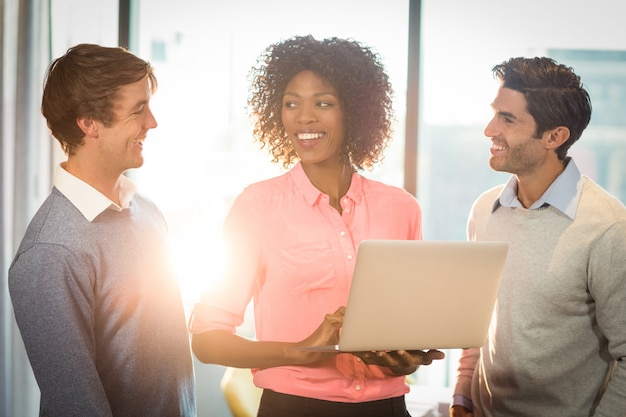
(94, 296)
(557, 341)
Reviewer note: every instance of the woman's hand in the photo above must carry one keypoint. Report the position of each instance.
(401, 362)
(229, 349)
(326, 334)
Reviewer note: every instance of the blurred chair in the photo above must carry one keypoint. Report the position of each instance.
(241, 395)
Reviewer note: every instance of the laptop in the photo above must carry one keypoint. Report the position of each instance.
(418, 295)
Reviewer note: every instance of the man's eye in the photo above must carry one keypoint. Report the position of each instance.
(506, 119)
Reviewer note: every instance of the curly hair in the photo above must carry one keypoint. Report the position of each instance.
(356, 73)
(84, 82)
(554, 95)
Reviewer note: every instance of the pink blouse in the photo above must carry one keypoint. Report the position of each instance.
(293, 254)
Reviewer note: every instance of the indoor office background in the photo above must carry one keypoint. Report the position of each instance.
(439, 54)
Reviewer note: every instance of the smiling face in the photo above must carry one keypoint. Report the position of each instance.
(121, 142)
(313, 119)
(515, 148)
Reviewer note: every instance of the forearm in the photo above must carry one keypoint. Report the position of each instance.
(462, 389)
(224, 348)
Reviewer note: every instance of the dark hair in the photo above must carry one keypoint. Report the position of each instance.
(554, 95)
(84, 83)
(354, 70)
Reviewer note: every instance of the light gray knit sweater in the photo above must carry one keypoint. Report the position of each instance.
(100, 313)
(560, 320)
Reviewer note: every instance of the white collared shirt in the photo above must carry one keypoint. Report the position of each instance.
(563, 193)
(89, 201)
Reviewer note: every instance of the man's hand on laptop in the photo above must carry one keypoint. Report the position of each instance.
(401, 362)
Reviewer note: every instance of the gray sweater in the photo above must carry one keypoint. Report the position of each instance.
(100, 313)
(559, 327)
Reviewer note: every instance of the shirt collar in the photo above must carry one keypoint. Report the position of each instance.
(313, 195)
(563, 193)
(89, 201)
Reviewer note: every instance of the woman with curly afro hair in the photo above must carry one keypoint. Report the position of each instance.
(360, 81)
(323, 109)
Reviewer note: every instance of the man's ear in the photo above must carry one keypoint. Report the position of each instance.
(557, 136)
(88, 126)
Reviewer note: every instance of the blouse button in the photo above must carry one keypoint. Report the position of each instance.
(358, 388)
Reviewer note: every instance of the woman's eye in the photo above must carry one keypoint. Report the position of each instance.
(289, 104)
